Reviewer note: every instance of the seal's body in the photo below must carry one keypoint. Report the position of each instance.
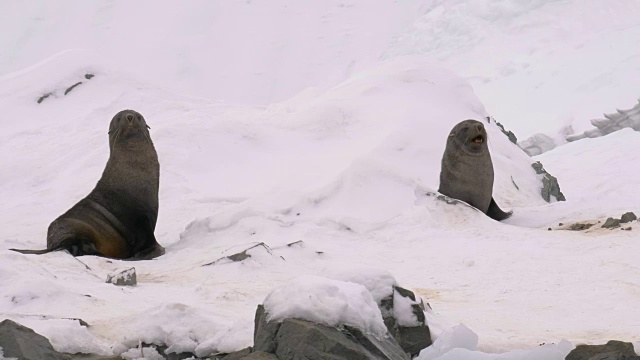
(467, 170)
(118, 218)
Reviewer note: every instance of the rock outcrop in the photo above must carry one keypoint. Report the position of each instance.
(613, 350)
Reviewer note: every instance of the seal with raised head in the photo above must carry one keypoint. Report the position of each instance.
(467, 170)
(118, 218)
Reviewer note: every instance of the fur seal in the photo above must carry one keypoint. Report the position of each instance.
(118, 218)
(467, 170)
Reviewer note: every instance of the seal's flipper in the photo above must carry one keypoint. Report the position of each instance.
(35, 252)
(496, 213)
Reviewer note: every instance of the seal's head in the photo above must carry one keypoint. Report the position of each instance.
(470, 135)
(127, 125)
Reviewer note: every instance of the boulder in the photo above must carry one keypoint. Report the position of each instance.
(301, 339)
(611, 223)
(20, 342)
(628, 217)
(613, 350)
(412, 338)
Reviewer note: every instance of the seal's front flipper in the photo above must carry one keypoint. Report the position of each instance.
(36, 252)
(496, 213)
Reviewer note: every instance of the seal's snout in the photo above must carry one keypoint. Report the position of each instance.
(129, 117)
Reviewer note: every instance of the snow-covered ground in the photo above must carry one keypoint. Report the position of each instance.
(338, 147)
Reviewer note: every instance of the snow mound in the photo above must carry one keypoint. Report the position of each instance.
(325, 301)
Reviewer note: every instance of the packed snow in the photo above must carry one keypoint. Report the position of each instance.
(325, 301)
(309, 136)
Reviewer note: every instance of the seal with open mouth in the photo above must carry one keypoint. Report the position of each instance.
(467, 170)
(118, 218)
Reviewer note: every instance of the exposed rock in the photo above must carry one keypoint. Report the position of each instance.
(72, 87)
(264, 332)
(88, 76)
(123, 277)
(628, 217)
(260, 355)
(412, 339)
(20, 342)
(171, 356)
(613, 350)
(238, 355)
(512, 137)
(301, 339)
(41, 98)
(550, 186)
(537, 166)
(611, 223)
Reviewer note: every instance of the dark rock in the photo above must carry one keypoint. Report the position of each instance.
(174, 356)
(628, 228)
(300, 339)
(88, 76)
(628, 217)
(72, 87)
(264, 332)
(537, 166)
(412, 339)
(386, 348)
(126, 277)
(613, 350)
(611, 223)
(580, 226)
(512, 137)
(20, 342)
(405, 293)
(550, 186)
(260, 355)
(41, 98)
(238, 355)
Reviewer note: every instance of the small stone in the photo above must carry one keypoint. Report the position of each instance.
(549, 229)
(88, 76)
(628, 217)
(628, 228)
(611, 223)
(123, 277)
(560, 224)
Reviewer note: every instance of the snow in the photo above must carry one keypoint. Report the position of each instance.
(377, 281)
(325, 301)
(305, 128)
